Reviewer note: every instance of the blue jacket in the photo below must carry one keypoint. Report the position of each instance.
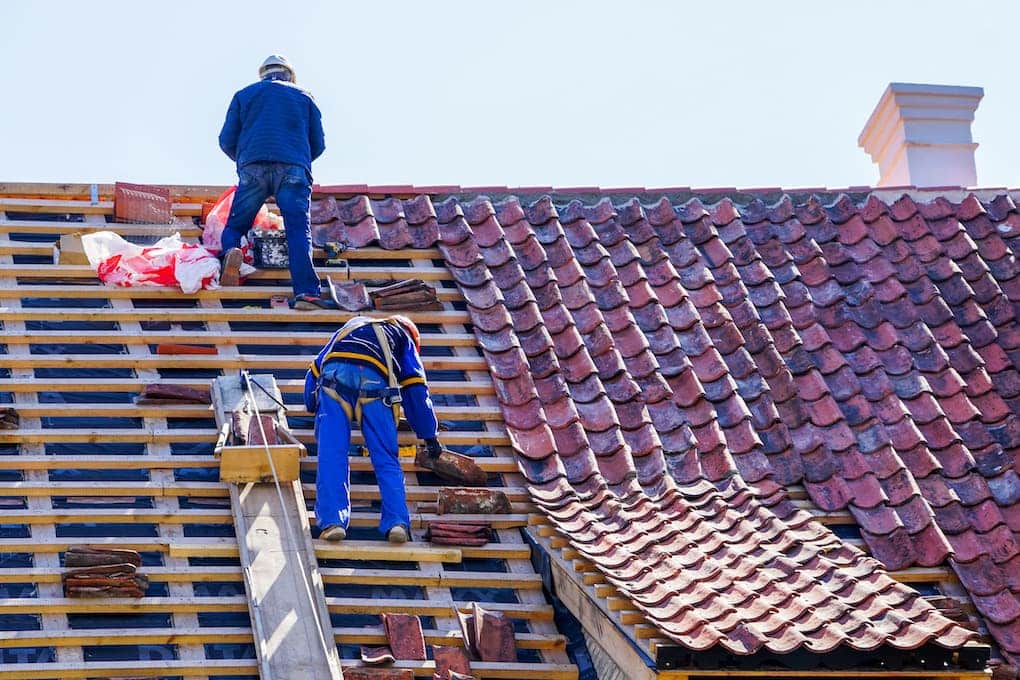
(275, 121)
(362, 347)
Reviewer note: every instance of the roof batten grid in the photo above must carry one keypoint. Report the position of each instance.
(542, 651)
(721, 402)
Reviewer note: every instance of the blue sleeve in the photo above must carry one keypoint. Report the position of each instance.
(409, 367)
(311, 398)
(420, 412)
(231, 131)
(316, 137)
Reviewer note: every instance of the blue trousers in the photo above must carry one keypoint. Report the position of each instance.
(333, 435)
(292, 187)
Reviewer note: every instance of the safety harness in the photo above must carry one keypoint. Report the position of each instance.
(390, 395)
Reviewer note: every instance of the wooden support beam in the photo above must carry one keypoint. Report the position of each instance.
(518, 497)
(152, 462)
(99, 435)
(207, 315)
(225, 667)
(368, 635)
(485, 413)
(286, 601)
(367, 273)
(471, 387)
(251, 362)
(299, 338)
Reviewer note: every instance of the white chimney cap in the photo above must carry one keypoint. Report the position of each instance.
(919, 135)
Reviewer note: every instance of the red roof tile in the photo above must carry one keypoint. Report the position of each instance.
(702, 355)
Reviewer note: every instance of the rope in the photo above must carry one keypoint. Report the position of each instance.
(246, 383)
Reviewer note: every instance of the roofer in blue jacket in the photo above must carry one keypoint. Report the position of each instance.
(367, 370)
(273, 131)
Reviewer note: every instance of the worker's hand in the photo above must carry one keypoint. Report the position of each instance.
(433, 447)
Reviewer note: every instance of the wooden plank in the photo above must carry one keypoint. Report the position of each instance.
(596, 624)
(76, 671)
(29, 386)
(100, 435)
(368, 635)
(346, 550)
(89, 290)
(252, 362)
(8, 247)
(301, 338)
(293, 633)
(241, 464)
(373, 273)
(187, 230)
(152, 462)
(518, 496)
(51, 205)
(203, 411)
(239, 603)
(199, 314)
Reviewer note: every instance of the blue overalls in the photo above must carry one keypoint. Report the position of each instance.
(348, 381)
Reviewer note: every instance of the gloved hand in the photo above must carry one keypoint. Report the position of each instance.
(433, 447)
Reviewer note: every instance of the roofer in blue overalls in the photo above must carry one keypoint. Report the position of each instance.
(273, 131)
(367, 370)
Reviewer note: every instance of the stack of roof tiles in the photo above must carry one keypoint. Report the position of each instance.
(667, 371)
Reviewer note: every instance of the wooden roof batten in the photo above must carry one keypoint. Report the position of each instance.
(175, 506)
(608, 619)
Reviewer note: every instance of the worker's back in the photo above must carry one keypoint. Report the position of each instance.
(275, 121)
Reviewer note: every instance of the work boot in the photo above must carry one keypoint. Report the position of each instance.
(334, 532)
(308, 302)
(397, 534)
(230, 275)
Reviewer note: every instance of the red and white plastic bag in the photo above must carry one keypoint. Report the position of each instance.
(212, 232)
(169, 262)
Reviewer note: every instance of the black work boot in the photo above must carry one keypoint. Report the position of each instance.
(307, 302)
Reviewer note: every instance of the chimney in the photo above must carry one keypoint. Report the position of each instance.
(920, 135)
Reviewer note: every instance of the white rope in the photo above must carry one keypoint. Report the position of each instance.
(326, 642)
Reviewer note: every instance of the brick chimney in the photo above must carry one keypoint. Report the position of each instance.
(919, 135)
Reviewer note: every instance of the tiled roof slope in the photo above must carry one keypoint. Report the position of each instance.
(667, 370)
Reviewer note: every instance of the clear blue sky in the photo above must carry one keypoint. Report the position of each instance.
(523, 93)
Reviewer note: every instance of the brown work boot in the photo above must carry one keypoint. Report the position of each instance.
(397, 534)
(334, 532)
(230, 275)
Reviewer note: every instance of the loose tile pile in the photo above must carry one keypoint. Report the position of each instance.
(103, 572)
(667, 371)
(410, 295)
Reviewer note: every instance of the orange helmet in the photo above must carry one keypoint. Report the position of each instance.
(408, 326)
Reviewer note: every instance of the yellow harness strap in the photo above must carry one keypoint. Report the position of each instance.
(391, 375)
(354, 415)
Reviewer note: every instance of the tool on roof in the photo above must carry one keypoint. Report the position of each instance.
(413, 294)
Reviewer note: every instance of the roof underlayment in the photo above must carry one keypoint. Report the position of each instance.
(686, 385)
